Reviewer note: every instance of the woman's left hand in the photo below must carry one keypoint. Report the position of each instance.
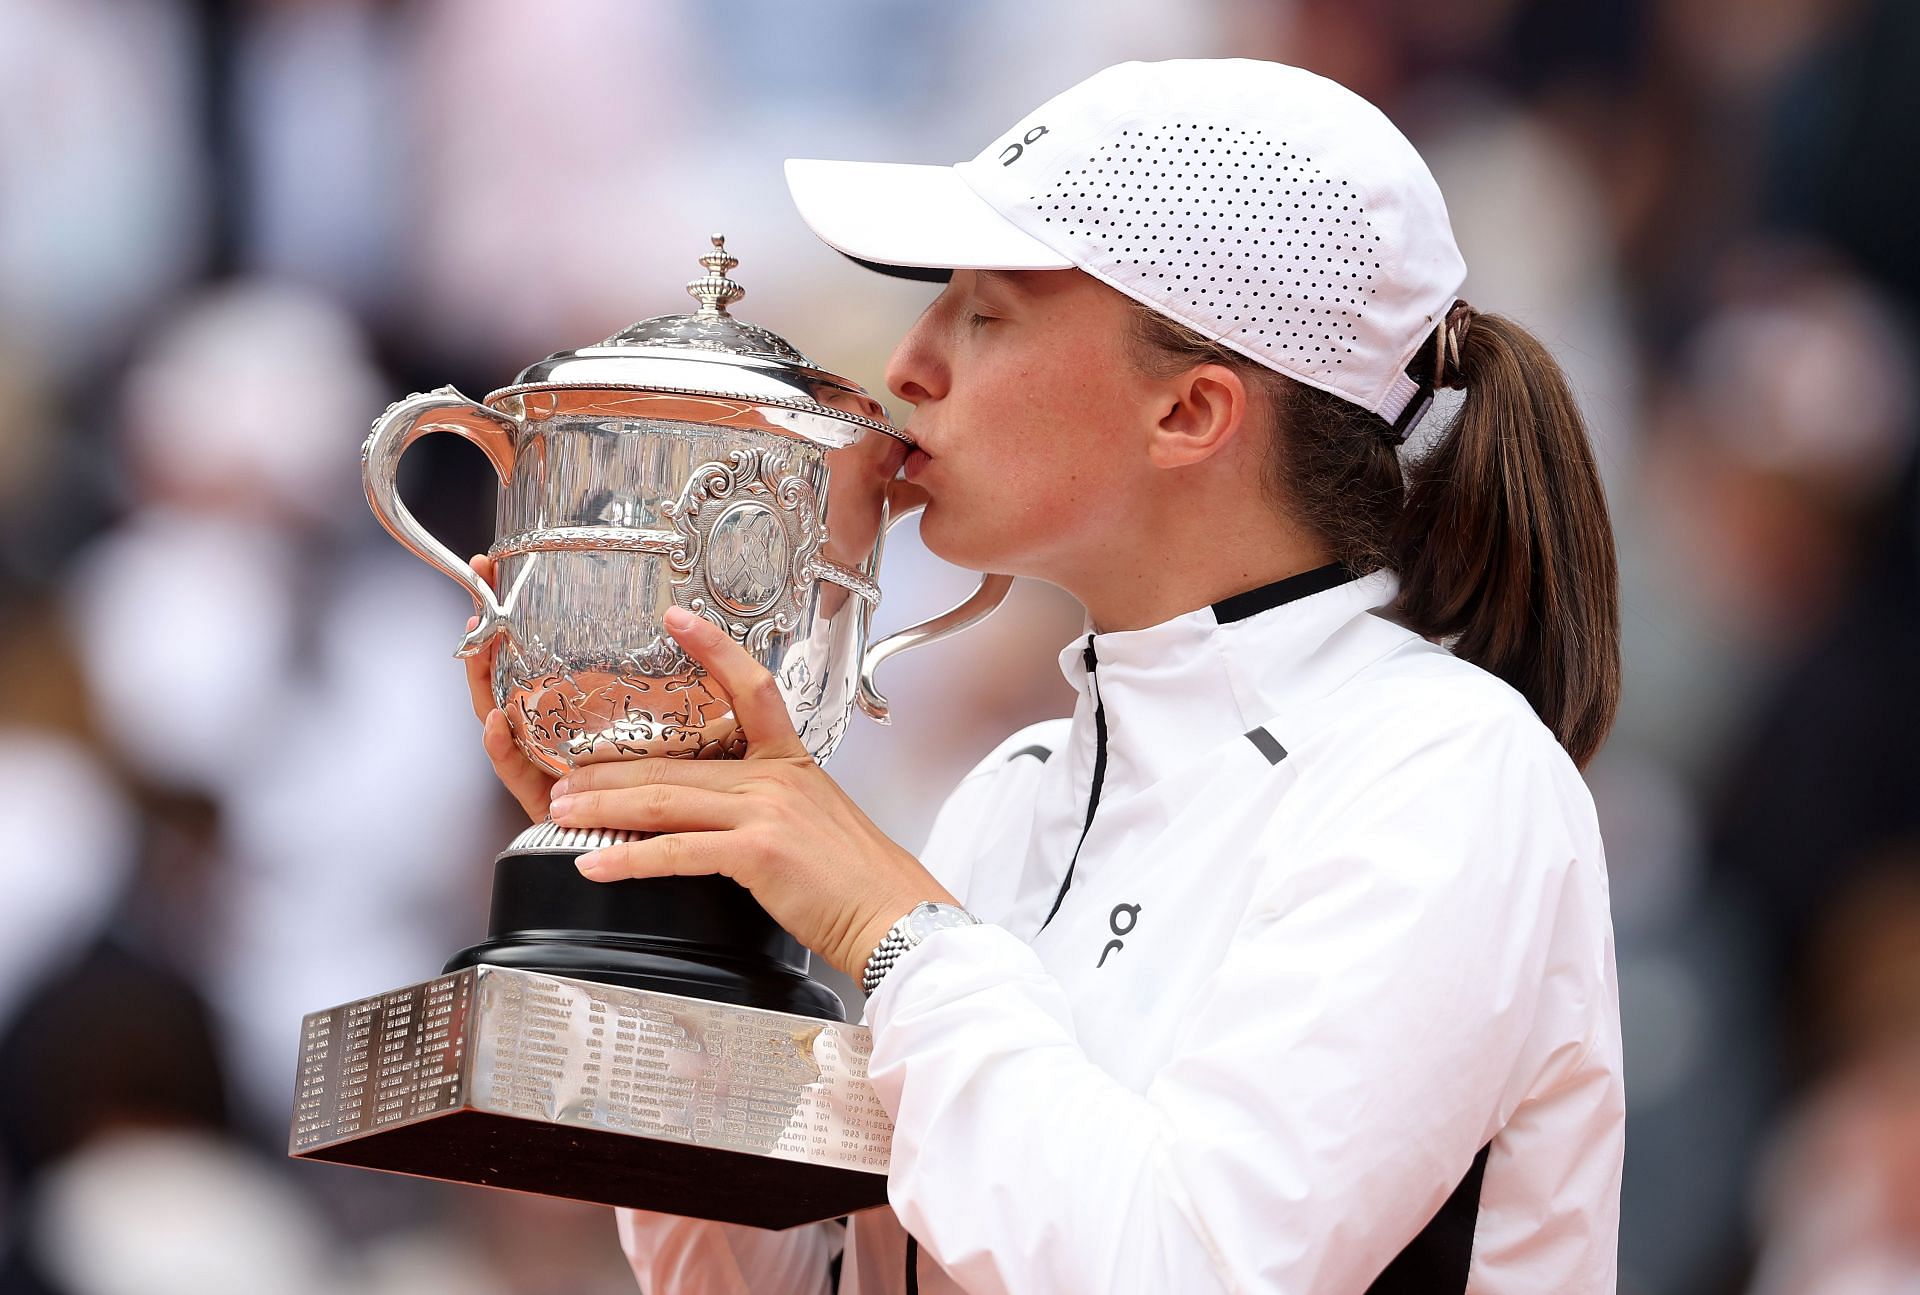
(773, 821)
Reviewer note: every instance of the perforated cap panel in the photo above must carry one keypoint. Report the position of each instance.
(1230, 230)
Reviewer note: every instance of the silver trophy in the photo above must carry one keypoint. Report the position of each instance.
(656, 1043)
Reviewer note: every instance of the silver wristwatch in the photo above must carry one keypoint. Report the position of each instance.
(917, 925)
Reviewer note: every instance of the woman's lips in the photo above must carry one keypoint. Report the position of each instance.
(916, 459)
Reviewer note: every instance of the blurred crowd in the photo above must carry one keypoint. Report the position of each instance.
(239, 779)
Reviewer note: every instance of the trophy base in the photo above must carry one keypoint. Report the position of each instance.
(703, 937)
(509, 1078)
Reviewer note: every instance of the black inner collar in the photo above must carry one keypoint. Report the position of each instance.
(1267, 597)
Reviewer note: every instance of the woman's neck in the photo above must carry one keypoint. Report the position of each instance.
(1178, 555)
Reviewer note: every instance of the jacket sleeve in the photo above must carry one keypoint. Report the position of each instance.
(1370, 1027)
(679, 1256)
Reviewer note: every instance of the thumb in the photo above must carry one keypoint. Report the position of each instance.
(758, 706)
(903, 495)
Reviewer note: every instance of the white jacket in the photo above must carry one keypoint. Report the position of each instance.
(1327, 986)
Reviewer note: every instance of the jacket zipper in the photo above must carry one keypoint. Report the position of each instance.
(1099, 775)
(1093, 803)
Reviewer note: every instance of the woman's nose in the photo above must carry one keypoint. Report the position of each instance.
(915, 372)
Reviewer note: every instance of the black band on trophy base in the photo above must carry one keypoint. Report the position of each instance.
(704, 937)
(491, 1150)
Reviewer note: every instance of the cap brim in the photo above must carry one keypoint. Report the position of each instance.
(889, 215)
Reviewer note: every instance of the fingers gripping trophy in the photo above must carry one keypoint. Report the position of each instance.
(657, 1043)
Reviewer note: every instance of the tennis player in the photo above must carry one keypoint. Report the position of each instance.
(1285, 964)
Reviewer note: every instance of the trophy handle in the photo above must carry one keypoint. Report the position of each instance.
(406, 421)
(976, 606)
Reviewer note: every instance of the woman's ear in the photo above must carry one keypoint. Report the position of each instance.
(1207, 407)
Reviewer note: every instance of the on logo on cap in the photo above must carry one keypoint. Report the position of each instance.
(1019, 146)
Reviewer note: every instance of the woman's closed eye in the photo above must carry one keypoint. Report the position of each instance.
(978, 320)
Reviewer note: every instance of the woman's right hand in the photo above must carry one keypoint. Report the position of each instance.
(531, 785)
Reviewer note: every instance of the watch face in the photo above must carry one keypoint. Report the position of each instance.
(923, 921)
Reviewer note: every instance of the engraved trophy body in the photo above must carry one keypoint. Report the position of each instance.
(691, 460)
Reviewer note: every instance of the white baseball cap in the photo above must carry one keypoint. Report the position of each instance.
(1269, 209)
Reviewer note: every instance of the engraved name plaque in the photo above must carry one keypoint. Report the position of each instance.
(621, 1096)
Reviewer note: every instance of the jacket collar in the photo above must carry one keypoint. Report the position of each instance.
(1254, 601)
(1174, 691)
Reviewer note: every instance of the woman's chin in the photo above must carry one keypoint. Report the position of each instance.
(969, 546)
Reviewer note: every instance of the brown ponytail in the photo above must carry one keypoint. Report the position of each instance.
(1499, 532)
(1505, 546)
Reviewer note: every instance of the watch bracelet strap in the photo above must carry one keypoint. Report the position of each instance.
(892, 946)
(884, 955)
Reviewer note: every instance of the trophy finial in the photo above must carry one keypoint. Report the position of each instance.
(714, 290)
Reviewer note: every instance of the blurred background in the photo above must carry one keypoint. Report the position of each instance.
(239, 779)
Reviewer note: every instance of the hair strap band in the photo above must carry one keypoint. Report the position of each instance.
(1447, 341)
(1448, 338)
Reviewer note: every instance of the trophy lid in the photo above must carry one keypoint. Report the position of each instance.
(712, 354)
